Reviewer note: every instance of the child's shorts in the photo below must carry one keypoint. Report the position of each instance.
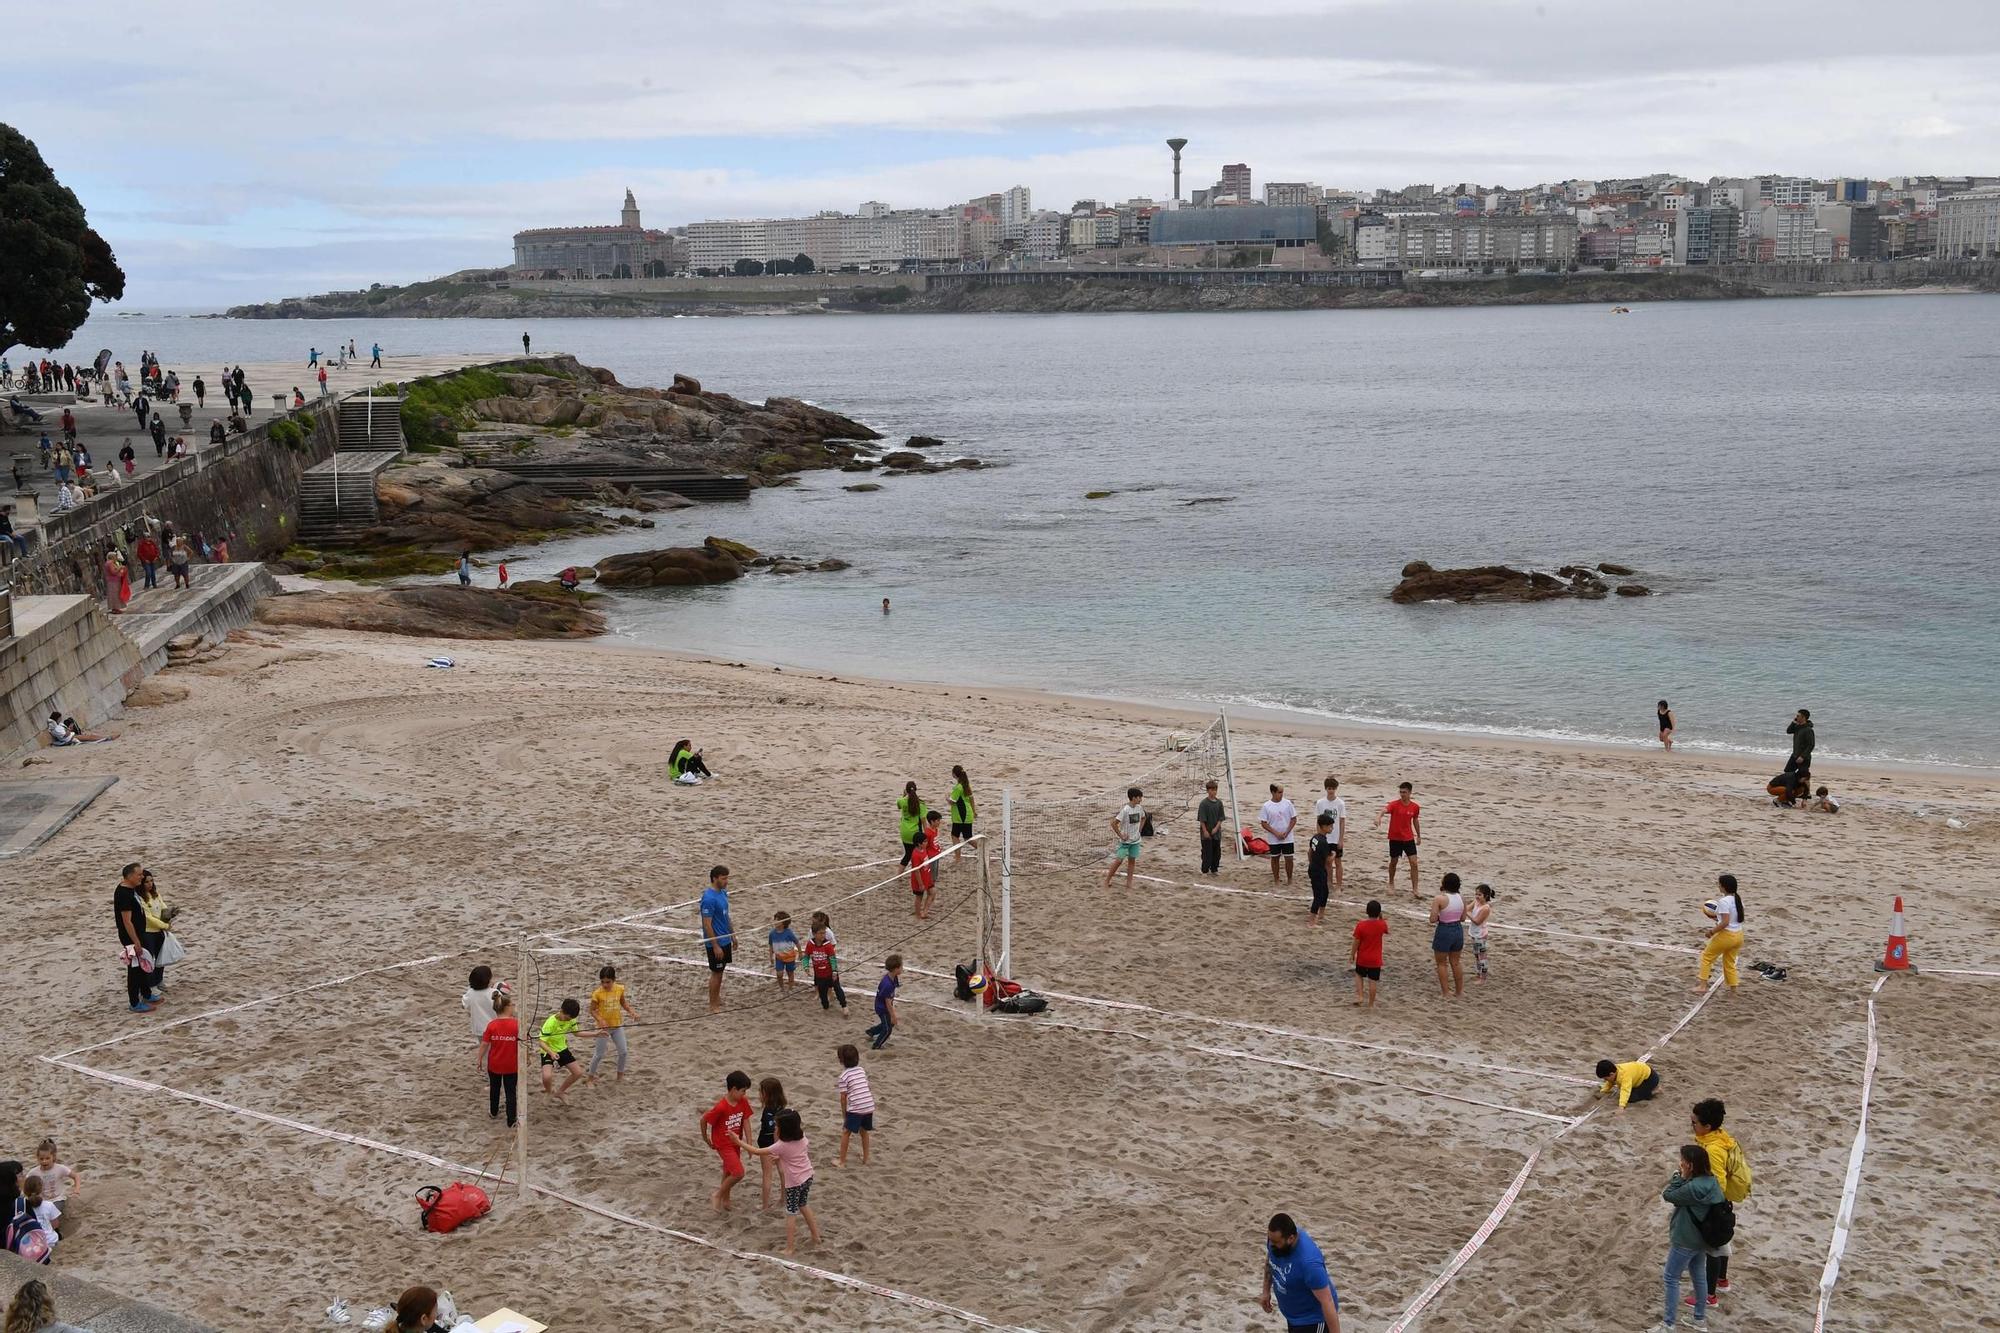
(561, 1059)
(732, 1160)
(1127, 851)
(961, 833)
(784, 969)
(1368, 973)
(796, 1196)
(862, 1122)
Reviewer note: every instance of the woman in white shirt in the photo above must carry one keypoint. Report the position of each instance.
(1725, 937)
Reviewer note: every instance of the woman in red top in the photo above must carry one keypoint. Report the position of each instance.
(500, 1056)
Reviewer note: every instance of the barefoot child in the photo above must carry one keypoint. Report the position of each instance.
(857, 1104)
(771, 1097)
(784, 950)
(500, 1057)
(824, 956)
(923, 864)
(722, 1129)
(556, 1054)
(1476, 918)
(61, 1186)
(609, 1008)
(885, 1003)
(1125, 826)
(795, 1170)
(1369, 932)
(1406, 832)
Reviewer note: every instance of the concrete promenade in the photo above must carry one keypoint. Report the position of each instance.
(104, 430)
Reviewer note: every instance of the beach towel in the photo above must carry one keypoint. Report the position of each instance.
(444, 663)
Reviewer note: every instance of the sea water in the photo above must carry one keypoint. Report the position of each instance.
(1808, 486)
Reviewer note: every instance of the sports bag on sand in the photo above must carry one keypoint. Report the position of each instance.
(1024, 1003)
(452, 1207)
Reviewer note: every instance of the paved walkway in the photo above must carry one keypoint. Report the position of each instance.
(104, 430)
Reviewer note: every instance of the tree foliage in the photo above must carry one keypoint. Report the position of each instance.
(52, 265)
(749, 268)
(802, 263)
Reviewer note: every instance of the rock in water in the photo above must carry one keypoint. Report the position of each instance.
(923, 442)
(1484, 583)
(1634, 590)
(674, 567)
(1416, 567)
(734, 550)
(903, 458)
(1617, 571)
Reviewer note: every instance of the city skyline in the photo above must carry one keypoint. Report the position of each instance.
(391, 163)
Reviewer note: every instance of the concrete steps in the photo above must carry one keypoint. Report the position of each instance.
(371, 425)
(337, 498)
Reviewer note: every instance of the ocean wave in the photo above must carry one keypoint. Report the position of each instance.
(1570, 735)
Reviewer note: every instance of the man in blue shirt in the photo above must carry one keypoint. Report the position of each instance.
(1296, 1274)
(716, 936)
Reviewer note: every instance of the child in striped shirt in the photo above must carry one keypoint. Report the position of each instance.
(857, 1103)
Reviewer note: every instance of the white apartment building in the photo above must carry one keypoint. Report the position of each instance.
(1448, 241)
(1785, 231)
(830, 240)
(1968, 224)
(1015, 209)
(1043, 235)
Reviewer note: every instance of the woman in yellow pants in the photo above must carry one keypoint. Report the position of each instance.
(1725, 937)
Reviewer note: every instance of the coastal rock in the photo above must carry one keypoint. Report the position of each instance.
(965, 463)
(864, 487)
(1633, 590)
(1489, 583)
(787, 567)
(832, 565)
(734, 550)
(923, 442)
(1617, 571)
(903, 458)
(673, 567)
(686, 384)
(1098, 495)
(432, 507)
(441, 611)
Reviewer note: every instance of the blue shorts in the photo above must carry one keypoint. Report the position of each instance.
(862, 1122)
(1127, 851)
(1449, 937)
(784, 969)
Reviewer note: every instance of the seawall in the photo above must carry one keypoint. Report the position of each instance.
(66, 654)
(246, 490)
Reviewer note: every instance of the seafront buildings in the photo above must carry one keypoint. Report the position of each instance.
(1656, 221)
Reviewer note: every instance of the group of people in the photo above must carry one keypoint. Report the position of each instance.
(38, 1203)
(146, 939)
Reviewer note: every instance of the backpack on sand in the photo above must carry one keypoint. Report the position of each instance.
(1717, 1225)
(1023, 1003)
(452, 1207)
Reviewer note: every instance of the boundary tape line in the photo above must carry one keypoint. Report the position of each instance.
(1957, 972)
(471, 1172)
(1500, 1210)
(1843, 1220)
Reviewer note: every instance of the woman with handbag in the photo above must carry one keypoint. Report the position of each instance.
(158, 926)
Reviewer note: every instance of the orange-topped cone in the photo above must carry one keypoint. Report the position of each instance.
(1896, 954)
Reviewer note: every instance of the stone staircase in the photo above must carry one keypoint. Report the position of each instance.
(371, 425)
(582, 479)
(337, 498)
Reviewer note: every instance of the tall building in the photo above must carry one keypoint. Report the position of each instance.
(627, 250)
(1235, 183)
(1784, 232)
(1289, 194)
(1857, 226)
(1015, 209)
(1968, 224)
(1706, 235)
(1453, 240)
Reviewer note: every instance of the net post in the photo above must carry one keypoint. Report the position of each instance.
(1007, 882)
(986, 960)
(522, 1094)
(1229, 770)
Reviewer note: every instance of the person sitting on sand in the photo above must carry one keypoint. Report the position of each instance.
(684, 763)
(65, 731)
(1825, 803)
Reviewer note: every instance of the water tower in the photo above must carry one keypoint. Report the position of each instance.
(1177, 145)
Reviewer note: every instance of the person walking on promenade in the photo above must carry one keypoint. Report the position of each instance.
(312, 357)
(375, 356)
(524, 345)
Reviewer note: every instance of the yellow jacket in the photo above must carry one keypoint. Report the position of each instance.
(1726, 1159)
(1628, 1077)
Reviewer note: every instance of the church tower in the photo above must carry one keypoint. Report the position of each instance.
(630, 217)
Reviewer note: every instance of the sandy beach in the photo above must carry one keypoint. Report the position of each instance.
(318, 804)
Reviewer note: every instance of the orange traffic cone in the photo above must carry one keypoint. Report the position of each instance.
(1896, 955)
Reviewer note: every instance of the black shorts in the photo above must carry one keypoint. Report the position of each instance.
(1281, 849)
(961, 833)
(1402, 847)
(719, 959)
(1336, 851)
(562, 1059)
(1368, 973)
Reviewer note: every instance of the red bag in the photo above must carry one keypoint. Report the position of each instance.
(450, 1208)
(1255, 845)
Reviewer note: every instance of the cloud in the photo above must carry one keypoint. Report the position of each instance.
(372, 136)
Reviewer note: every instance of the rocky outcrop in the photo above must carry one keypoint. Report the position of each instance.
(1501, 583)
(673, 567)
(429, 506)
(439, 611)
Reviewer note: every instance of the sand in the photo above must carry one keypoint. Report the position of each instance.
(318, 803)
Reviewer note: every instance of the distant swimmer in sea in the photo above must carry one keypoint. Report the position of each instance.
(1666, 721)
(885, 606)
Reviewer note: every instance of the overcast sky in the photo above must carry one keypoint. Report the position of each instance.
(234, 151)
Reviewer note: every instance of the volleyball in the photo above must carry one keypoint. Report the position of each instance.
(976, 983)
(1711, 909)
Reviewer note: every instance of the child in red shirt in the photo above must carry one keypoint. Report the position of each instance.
(500, 1056)
(923, 865)
(824, 955)
(1369, 932)
(1406, 832)
(721, 1127)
